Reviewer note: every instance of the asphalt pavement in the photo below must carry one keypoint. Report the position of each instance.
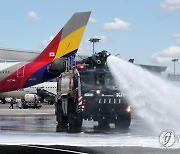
(44, 110)
(23, 130)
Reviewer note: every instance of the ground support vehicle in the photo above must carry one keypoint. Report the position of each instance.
(89, 92)
(31, 101)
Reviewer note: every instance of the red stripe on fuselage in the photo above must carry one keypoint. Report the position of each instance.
(13, 82)
(42, 59)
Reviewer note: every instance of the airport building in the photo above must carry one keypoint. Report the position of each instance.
(173, 77)
(17, 55)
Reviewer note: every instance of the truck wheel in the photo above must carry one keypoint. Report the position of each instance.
(103, 124)
(61, 119)
(74, 118)
(123, 121)
(79, 121)
(24, 106)
(75, 122)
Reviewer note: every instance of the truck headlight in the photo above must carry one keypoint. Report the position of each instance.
(89, 94)
(98, 91)
(119, 95)
(128, 109)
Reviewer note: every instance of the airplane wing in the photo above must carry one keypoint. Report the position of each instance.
(157, 69)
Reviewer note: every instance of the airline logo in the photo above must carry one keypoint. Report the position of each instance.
(51, 54)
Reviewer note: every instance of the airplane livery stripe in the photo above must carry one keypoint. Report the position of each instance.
(42, 59)
(9, 70)
(77, 21)
(43, 74)
(32, 68)
(65, 47)
(70, 43)
(51, 48)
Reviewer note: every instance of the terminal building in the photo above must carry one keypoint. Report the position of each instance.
(17, 55)
(173, 77)
(155, 69)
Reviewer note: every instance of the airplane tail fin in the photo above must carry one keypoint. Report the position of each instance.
(67, 41)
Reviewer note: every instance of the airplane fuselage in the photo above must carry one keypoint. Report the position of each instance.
(18, 75)
(20, 93)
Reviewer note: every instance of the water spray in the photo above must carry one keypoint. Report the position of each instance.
(154, 99)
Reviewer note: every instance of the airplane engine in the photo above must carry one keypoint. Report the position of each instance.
(58, 66)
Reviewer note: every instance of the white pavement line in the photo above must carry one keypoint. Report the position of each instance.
(46, 148)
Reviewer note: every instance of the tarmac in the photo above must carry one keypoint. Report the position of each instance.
(48, 110)
(44, 110)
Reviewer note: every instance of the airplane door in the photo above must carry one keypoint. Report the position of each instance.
(20, 71)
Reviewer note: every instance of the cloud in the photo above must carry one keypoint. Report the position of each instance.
(44, 43)
(162, 60)
(117, 24)
(92, 19)
(84, 49)
(171, 5)
(177, 37)
(103, 38)
(166, 55)
(33, 15)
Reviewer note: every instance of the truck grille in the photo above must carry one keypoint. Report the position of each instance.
(109, 101)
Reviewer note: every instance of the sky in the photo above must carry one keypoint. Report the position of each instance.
(148, 31)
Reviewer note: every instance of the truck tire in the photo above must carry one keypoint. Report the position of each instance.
(123, 121)
(103, 124)
(74, 118)
(61, 119)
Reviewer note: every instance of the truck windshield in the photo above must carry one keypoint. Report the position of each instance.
(96, 80)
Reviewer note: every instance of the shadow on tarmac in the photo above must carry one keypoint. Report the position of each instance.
(40, 149)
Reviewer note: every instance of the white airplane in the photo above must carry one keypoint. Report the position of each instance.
(46, 87)
(45, 91)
